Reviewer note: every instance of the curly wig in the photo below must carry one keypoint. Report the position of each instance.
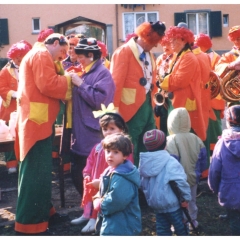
(234, 33)
(180, 32)
(129, 36)
(103, 48)
(151, 33)
(19, 49)
(164, 41)
(44, 34)
(203, 40)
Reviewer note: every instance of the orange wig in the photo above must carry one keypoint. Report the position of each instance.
(203, 40)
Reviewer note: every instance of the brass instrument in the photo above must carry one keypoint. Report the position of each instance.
(159, 98)
(230, 85)
(214, 84)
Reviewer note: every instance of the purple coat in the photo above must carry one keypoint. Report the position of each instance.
(224, 171)
(98, 87)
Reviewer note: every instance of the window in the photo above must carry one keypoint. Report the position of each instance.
(198, 22)
(225, 20)
(133, 20)
(36, 25)
(201, 21)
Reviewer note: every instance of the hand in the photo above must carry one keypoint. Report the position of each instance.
(87, 178)
(14, 94)
(94, 183)
(184, 204)
(235, 64)
(76, 80)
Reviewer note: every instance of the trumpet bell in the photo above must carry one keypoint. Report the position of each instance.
(159, 99)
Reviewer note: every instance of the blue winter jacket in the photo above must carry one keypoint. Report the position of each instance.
(120, 205)
(224, 170)
(156, 170)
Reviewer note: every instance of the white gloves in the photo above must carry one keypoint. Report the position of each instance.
(14, 94)
(76, 80)
(235, 65)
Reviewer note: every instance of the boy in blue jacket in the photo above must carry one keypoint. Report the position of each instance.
(157, 168)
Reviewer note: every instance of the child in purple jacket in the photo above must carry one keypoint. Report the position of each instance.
(224, 171)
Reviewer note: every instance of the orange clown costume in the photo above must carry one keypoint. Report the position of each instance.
(134, 72)
(184, 80)
(8, 90)
(40, 90)
(217, 103)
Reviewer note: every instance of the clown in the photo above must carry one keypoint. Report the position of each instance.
(8, 90)
(184, 79)
(134, 72)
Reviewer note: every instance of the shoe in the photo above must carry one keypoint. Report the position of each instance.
(90, 227)
(79, 220)
(12, 170)
(195, 223)
(57, 218)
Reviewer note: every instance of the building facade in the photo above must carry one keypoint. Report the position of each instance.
(112, 22)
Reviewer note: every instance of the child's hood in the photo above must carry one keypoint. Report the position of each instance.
(152, 163)
(128, 171)
(231, 140)
(178, 121)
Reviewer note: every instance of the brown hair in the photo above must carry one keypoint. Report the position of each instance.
(118, 141)
(116, 118)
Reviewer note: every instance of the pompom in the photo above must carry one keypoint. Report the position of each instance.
(44, 34)
(103, 48)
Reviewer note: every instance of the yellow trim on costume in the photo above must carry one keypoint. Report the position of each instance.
(133, 46)
(218, 97)
(88, 67)
(38, 112)
(128, 95)
(59, 68)
(7, 102)
(69, 113)
(165, 84)
(191, 105)
(69, 90)
(196, 50)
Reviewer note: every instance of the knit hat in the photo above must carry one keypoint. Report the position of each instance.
(234, 33)
(233, 116)
(153, 139)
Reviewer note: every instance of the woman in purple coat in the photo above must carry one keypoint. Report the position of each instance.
(93, 88)
(224, 171)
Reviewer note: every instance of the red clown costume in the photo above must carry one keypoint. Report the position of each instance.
(8, 90)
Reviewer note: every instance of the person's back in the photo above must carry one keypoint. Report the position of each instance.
(157, 168)
(189, 149)
(224, 169)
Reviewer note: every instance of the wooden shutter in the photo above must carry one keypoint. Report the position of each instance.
(179, 17)
(4, 39)
(215, 24)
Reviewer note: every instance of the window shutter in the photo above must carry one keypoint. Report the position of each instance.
(4, 39)
(215, 23)
(179, 17)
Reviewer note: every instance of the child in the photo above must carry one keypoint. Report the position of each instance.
(96, 164)
(156, 169)
(189, 149)
(118, 202)
(224, 169)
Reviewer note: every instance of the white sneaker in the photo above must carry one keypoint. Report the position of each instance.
(79, 220)
(12, 170)
(90, 227)
(195, 223)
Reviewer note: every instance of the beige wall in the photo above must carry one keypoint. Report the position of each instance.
(166, 14)
(20, 18)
